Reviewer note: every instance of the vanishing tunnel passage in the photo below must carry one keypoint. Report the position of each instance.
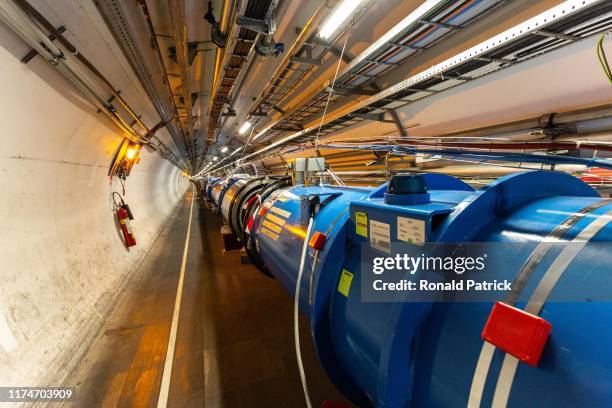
(314, 203)
(230, 333)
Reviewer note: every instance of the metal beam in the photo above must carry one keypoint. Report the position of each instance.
(377, 117)
(562, 36)
(553, 15)
(350, 90)
(278, 109)
(346, 56)
(306, 60)
(440, 24)
(394, 116)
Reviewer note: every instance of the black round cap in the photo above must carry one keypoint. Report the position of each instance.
(409, 183)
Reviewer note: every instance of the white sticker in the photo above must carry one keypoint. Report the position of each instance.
(411, 230)
(380, 236)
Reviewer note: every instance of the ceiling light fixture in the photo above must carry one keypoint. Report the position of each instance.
(225, 149)
(339, 16)
(215, 158)
(245, 126)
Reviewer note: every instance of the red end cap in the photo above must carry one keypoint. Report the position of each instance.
(317, 240)
(517, 332)
(263, 211)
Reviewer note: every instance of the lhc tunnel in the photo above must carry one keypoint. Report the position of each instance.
(313, 203)
(431, 352)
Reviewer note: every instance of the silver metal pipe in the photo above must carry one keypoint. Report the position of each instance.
(32, 34)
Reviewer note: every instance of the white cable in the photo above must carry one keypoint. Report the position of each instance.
(247, 143)
(296, 308)
(335, 177)
(331, 90)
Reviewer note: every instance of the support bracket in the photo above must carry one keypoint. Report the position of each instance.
(563, 36)
(266, 26)
(32, 53)
(351, 90)
(439, 24)
(548, 128)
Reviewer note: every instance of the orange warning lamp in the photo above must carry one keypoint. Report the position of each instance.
(131, 153)
(126, 156)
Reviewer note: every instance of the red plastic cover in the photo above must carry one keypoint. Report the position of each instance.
(517, 332)
(317, 240)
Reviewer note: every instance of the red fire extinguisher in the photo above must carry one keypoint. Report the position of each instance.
(124, 215)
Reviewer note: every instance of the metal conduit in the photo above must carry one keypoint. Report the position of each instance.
(18, 15)
(33, 13)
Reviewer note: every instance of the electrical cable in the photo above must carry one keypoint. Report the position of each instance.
(296, 308)
(601, 55)
(331, 90)
(457, 154)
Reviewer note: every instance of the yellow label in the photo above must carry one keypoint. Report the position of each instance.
(280, 212)
(344, 286)
(275, 219)
(272, 226)
(269, 233)
(282, 198)
(361, 224)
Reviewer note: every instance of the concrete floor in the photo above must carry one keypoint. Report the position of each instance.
(234, 343)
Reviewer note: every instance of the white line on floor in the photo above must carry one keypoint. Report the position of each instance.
(162, 402)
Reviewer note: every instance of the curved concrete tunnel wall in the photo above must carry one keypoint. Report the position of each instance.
(62, 260)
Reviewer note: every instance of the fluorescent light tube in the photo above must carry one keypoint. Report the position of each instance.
(339, 16)
(245, 126)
